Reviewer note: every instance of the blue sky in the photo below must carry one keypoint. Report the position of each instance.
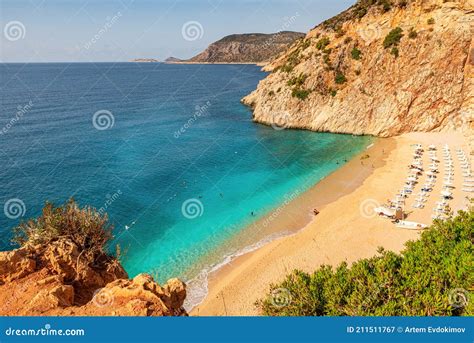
(120, 30)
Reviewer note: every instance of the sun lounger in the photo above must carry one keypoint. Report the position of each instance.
(468, 190)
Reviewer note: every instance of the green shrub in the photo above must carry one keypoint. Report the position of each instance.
(402, 3)
(300, 93)
(297, 80)
(292, 61)
(395, 52)
(305, 44)
(340, 78)
(85, 227)
(361, 12)
(322, 43)
(355, 53)
(386, 5)
(327, 59)
(431, 21)
(393, 37)
(412, 34)
(423, 280)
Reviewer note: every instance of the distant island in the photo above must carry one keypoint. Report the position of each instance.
(145, 60)
(244, 48)
(173, 60)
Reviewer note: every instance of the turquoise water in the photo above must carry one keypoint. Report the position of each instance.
(179, 136)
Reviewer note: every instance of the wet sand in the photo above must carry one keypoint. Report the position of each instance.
(346, 229)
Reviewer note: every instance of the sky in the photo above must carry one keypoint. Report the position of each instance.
(121, 30)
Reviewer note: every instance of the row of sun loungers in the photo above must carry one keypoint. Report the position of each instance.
(468, 182)
(442, 208)
(394, 209)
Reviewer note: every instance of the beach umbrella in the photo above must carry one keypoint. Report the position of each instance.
(446, 193)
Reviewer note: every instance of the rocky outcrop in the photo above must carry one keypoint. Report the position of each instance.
(381, 68)
(247, 48)
(145, 60)
(55, 279)
(173, 60)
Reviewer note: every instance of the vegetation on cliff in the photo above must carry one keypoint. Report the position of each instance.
(85, 227)
(432, 276)
(247, 48)
(63, 267)
(367, 71)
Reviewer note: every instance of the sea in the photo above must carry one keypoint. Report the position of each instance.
(167, 151)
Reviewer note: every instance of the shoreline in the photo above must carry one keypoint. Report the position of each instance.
(259, 64)
(235, 286)
(292, 215)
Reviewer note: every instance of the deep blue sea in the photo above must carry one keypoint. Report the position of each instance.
(168, 151)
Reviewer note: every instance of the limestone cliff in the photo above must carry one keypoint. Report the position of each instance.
(57, 279)
(382, 67)
(247, 48)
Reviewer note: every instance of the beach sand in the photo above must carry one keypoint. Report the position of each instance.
(346, 229)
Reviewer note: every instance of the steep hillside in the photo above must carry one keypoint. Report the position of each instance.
(62, 268)
(247, 48)
(381, 67)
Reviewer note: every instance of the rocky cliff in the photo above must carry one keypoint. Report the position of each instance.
(382, 67)
(56, 279)
(247, 48)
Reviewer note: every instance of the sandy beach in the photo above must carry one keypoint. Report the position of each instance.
(346, 228)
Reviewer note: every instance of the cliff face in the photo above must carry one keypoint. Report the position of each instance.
(56, 279)
(247, 48)
(380, 68)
